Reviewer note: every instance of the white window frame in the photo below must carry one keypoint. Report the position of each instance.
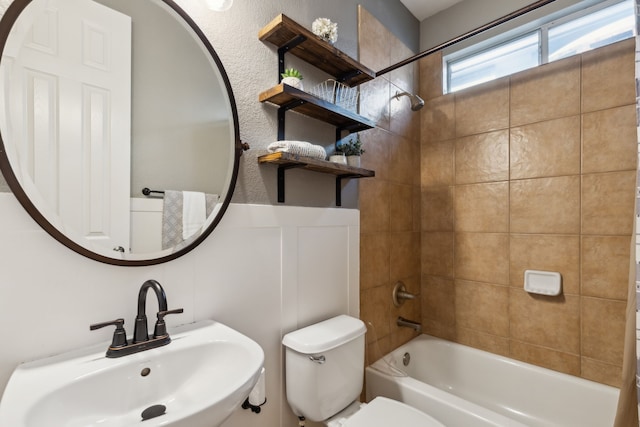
(541, 26)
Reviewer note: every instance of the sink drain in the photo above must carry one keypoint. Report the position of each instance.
(153, 412)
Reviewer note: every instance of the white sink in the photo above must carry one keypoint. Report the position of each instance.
(201, 377)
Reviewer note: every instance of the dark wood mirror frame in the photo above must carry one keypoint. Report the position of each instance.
(8, 19)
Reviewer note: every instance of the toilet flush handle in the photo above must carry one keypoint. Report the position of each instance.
(318, 359)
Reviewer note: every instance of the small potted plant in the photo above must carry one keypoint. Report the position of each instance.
(292, 77)
(338, 157)
(352, 149)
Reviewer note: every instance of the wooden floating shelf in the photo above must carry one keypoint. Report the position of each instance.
(290, 37)
(314, 50)
(317, 165)
(286, 161)
(310, 105)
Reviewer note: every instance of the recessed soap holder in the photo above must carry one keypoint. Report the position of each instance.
(543, 282)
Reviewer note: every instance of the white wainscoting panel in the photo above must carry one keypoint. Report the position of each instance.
(265, 270)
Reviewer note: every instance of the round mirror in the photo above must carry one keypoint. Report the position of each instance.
(118, 127)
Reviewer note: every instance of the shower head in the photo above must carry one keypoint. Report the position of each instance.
(416, 102)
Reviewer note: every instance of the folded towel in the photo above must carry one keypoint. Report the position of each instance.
(193, 212)
(301, 148)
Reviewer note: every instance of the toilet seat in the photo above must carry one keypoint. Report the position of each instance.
(385, 412)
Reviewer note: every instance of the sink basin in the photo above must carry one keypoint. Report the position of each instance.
(201, 377)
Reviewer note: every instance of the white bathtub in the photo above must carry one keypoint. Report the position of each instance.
(465, 387)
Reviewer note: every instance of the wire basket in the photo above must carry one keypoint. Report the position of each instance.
(337, 93)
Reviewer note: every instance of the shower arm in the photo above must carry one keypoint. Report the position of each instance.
(416, 102)
(481, 29)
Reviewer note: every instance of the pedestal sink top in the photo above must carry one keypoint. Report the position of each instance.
(198, 380)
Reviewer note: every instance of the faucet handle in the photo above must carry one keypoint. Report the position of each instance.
(161, 328)
(400, 294)
(119, 335)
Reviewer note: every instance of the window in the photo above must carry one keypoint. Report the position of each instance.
(592, 31)
(507, 58)
(601, 25)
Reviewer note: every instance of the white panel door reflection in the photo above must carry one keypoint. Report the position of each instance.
(67, 88)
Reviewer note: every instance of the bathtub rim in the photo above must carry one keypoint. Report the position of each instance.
(413, 384)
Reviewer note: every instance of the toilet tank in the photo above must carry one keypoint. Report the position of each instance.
(324, 366)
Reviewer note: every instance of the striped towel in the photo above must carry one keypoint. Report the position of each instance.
(300, 148)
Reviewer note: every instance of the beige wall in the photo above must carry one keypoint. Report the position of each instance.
(389, 203)
(532, 171)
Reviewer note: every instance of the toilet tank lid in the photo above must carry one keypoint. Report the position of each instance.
(325, 335)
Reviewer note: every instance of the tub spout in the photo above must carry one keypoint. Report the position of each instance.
(409, 324)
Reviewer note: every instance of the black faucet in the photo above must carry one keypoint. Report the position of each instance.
(119, 346)
(140, 332)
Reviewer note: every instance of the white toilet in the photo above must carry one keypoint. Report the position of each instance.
(324, 376)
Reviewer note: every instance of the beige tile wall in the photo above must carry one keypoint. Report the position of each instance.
(532, 171)
(390, 202)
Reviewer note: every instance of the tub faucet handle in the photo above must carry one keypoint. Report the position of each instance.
(400, 294)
